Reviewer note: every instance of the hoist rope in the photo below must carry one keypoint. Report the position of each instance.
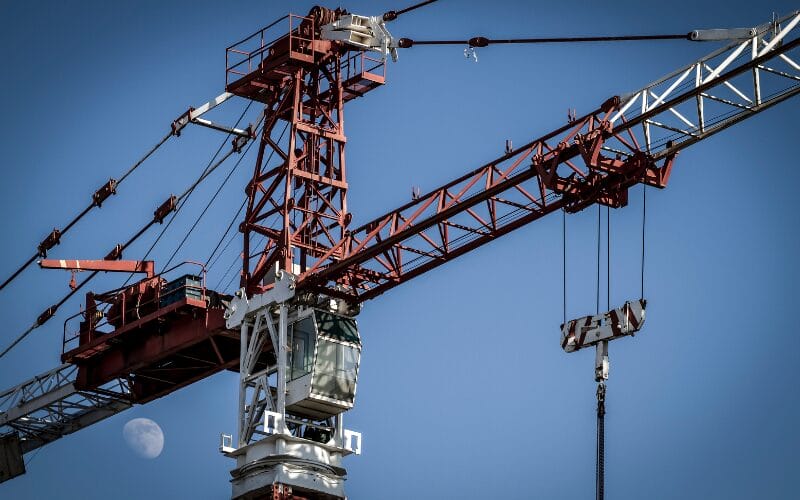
(564, 261)
(97, 199)
(236, 259)
(601, 445)
(50, 311)
(644, 220)
(598, 259)
(608, 258)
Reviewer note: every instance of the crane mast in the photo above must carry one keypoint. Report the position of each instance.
(305, 270)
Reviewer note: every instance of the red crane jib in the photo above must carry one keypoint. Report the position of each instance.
(297, 215)
(489, 202)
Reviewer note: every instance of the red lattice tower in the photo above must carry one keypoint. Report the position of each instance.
(297, 198)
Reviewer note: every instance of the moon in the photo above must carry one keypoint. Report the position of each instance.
(144, 436)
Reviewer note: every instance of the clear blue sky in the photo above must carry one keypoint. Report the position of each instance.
(464, 391)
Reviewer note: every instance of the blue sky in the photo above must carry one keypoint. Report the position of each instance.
(464, 391)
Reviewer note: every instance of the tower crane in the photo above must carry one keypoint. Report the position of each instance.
(290, 330)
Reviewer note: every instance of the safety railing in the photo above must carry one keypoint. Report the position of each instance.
(360, 63)
(249, 54)
(116, 309)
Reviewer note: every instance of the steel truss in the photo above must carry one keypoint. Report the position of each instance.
(48, 407)
(297, 205)
(255, 390)
(592, 159)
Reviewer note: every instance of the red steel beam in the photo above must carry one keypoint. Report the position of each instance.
(564, 169)
(116, 266)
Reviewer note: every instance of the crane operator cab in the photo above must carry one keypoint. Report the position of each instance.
(323, 358)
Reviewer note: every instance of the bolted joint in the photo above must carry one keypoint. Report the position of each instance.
(239, 142)
(52, 240)
(46, 315)
(115, 253)
(168, 206)
(104, 192)
(181, 122)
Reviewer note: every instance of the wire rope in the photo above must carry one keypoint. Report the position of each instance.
(269, 159)
(608, 257)
(644, 223)
(208, 205)
(564, 260)
(50, 312)
(209, 262)
(480, 41)
(394, 14)
(183, 198)
(598, 260)
(98, 197)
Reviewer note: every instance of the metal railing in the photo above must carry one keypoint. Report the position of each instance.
(248, 55)
(360, 63)
(105, 321)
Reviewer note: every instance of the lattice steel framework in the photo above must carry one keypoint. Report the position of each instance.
(49, 406)
(592, 159)
(297, 204)
(306, 194)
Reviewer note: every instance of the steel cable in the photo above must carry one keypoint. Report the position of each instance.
(177, 203)
(181, 201)
(394, 14)
(208, 205)
(601, 441)
(51, 311)
(236, 216)
(480, 41)
(212, 259)
(608, 257)
(97, 199)
(598, 258)
(644, 220)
